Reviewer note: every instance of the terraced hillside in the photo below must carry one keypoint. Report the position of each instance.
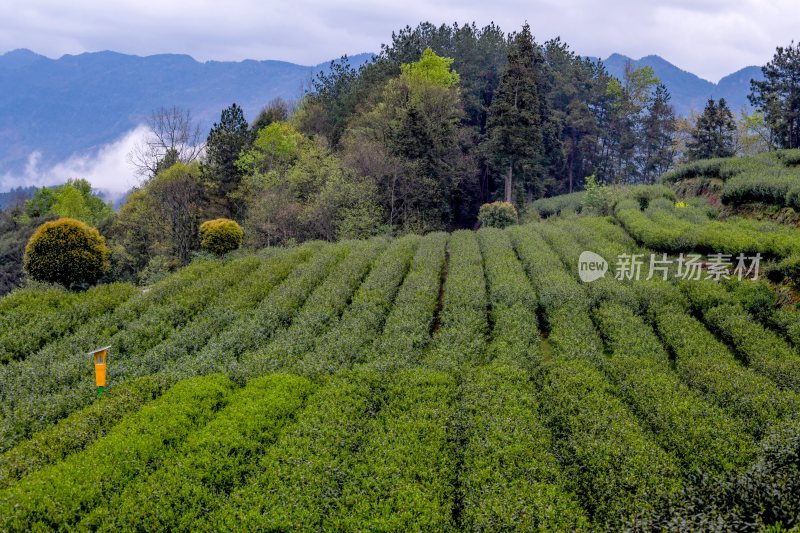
(464, 381)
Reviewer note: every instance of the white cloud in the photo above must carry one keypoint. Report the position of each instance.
(709, 37)
(107, 169)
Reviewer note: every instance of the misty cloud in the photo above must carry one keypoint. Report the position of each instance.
(108, 169)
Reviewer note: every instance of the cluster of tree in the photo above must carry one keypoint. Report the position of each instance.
(514, 120)
(443, 120)
(774, 124)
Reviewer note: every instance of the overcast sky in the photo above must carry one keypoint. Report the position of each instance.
(711, 38)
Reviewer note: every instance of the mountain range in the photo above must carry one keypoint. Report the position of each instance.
(75, 105)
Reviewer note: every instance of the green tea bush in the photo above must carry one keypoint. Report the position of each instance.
(209, 464)
(702, 436)
(617, 471)
(511, 479)
(407, 331)
(515, 333)
(403, 474)
(220, 236)
(253, 331)
(322, 309)
(79, 429)
(460, 335)
(68, 252)
(299, 480)
(63, 378)
(705, 167)
(770, 186)
(175, 355)
(760, 348)
(56, 497)
(548, 207)
(46, 326)
(707, 365)
(497, 215)
(362, 321)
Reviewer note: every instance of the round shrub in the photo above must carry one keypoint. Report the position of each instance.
(497, 215)
(220, 236)
(68, 252)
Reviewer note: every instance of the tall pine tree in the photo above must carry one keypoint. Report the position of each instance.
(778, 96)
(516, 130)
(225, 142)
(658, 135)
(714, 133)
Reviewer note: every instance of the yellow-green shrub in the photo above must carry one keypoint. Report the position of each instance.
(220, 236)
(497, 215)
(68, 252)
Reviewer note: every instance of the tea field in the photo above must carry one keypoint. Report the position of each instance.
(466, 381)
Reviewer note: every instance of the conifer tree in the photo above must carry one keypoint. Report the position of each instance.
(516, 132)
(778, 96)
(225, 142)
(714, 132)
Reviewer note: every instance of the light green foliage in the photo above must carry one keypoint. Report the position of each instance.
(295, 188)
(430, 70)
(299, 479)
(402, 475)
(78, 430)
(497, 215)
(74, 199)
(209, 464)
(598, 198)
(57, 496)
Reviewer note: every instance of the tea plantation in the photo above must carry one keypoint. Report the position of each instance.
(466, 381)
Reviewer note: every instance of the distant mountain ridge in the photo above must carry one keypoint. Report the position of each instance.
(689, 91)
(79, 103)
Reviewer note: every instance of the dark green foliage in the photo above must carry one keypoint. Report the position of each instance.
(713, 133)
(68, 252)
(518, 117)
(778, 96)
(225, 142)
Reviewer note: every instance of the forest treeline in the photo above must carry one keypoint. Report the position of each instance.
(442, 120)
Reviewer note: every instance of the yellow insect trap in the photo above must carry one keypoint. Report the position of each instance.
(99, 356)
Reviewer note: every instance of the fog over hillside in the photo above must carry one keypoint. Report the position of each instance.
(79, 116)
